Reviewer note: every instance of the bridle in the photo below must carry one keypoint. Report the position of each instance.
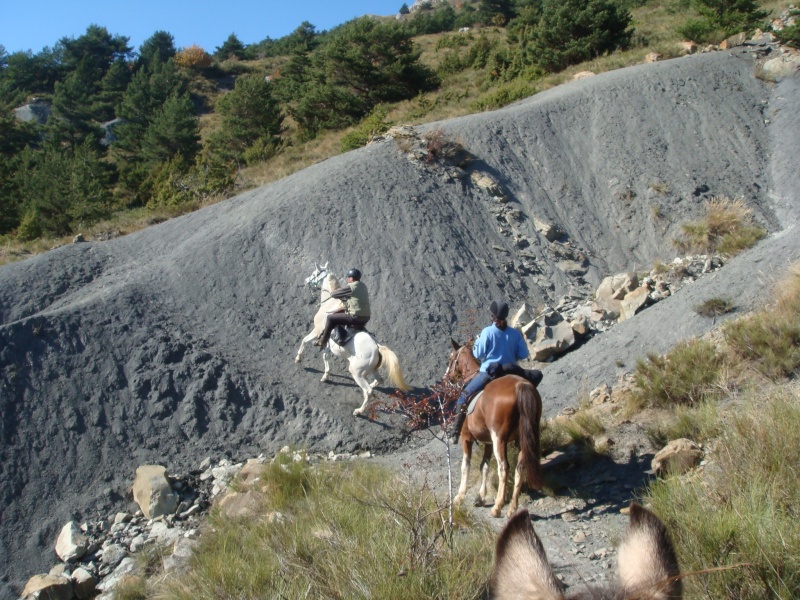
(450, 373)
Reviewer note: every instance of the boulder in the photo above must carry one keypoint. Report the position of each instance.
(247, 504)
(152, 492)
(582, 75)
(548, 335)
(633, 302)
(52, 587)
(71, 543)
(606, 309)
(779, 68)
(549, 231)
(676, 457)
(523, 316)
(84, 584)
(617, 286)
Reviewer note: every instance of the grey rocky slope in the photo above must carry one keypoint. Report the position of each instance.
(178, 341)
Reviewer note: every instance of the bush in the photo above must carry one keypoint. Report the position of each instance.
(770, 339)
(791, 35)
(503, 95)
(193, 58)
(701, 31)
(714, 307)
(30, 228)
(742, 515)
(725, 228)
(374, 123)
(686, 375)
(336, 518)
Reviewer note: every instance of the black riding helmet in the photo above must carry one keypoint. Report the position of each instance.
(355, 274)
(499, 310)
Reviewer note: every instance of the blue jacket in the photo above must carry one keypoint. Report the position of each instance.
(497, 345)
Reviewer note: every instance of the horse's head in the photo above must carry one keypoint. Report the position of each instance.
(317, 277)
(461, 363)
(330, 283)
(648, 567)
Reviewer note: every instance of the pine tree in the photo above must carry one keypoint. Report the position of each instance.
(250, 114)
(71, 121)
(173, 131)
(232, 47)
(159, 47)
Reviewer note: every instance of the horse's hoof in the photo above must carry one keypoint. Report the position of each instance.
(478, 502)
(457, 500)
(297, 358)
(496, 512)
(358, 412)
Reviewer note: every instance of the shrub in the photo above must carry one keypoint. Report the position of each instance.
(725, 228)
(714, 307)
(686, 375)
(373, 124)
(770, 339)
(30, 228)
(441, 148)
(336, 519)
(699, 423)
(503, 95)
(742, 515)
(701, 31)
(194, 58)
(791, 35)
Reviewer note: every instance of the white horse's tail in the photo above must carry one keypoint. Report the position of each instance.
(392, 364)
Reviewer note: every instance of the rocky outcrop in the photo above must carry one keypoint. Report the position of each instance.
(677, 457)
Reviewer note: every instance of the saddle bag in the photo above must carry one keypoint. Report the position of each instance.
(496, 370)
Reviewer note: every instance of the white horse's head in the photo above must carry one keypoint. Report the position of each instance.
(315, 280)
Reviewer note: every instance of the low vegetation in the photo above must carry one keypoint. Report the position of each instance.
(735, 525)
(335, 530)
(726, 228)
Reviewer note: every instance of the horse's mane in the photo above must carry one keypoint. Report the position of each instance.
(331, 283)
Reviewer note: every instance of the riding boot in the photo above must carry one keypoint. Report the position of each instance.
(461, 416)
(321, 341)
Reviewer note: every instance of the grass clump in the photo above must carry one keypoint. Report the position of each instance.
(743, 514)
(687, 375)
(770, 339)
(725, 228)
(714, 307)
(347, 531)
(699, 423)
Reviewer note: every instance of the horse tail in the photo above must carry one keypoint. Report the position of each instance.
(392, 364)
(529, 404)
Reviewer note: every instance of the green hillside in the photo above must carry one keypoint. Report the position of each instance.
(128, 137)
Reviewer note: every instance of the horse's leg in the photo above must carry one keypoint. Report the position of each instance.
(359, 376)
(325, 353)
(303, 343)
(519, 475)
(466, 448)
(487, 457)
(502, 472)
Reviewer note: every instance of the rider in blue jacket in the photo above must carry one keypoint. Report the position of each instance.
(497, 343)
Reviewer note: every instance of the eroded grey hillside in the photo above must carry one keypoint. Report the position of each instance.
(177, 342)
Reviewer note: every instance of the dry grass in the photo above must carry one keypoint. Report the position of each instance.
(726, 227)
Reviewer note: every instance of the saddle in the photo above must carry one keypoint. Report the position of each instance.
(341, 334)
(496, 370)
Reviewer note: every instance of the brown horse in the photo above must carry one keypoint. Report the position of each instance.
(647, 563)
(509, 409)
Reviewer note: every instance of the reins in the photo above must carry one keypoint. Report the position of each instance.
(454, 363)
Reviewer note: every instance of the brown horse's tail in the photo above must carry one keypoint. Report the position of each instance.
(529, 404)
(392, 364)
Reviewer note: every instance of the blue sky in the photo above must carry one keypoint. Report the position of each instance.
(206, 23)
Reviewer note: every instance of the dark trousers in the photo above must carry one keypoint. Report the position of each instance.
(341, 318)
(474, 385)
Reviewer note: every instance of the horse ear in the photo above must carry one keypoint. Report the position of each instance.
(520, 568)
(325, 266)
(648, 565)
(455, 344)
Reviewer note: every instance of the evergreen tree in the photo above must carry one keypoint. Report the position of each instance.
(14, 136)
(572, 31)
(96, 49)
(250, 114)
(232, 47)
(732, 16)
(159, 47)
(71, 121)
(112, 89)
(404, 9)
(61, 191)
(495, 12)
(26, 73)
(173, 131)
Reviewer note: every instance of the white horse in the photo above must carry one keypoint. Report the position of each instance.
(364, 355)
